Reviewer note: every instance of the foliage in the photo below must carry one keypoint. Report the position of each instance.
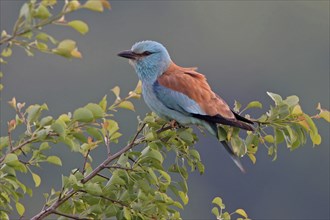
(222, 215)
(34, 15)
(147, 177)
(283, 122)
(137, 183)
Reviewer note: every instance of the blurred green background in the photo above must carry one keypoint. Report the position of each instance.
(245, 48)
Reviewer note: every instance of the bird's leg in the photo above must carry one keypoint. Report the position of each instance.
(174, 124)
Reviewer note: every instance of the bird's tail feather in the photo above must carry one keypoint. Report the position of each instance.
(214, 130)
(233, 156)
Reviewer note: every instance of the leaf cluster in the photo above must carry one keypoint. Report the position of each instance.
(34, 15)
(128, 184)
(223, 215)
(284, 122)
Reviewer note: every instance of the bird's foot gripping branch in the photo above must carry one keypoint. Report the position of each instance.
(134, 181)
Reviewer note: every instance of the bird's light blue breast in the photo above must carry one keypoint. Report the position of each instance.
(173, 105)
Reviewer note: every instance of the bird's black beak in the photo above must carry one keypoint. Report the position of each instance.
(128, 54)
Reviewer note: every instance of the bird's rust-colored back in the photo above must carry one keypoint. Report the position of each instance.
(193, 84)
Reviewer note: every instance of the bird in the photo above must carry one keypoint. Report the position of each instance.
(181, 94)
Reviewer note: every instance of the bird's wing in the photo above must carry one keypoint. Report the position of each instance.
(187, 91)
(194, 85)
(176, 100)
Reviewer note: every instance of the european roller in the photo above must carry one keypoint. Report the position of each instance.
(181, 94)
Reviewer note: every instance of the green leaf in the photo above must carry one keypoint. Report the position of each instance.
(45, 37)
(42, 12)
(24, 11)
(59, 127)
(6, 52)
(83, 115)
(116, 180)
(28, 35)
(166, 176)
(94, 5)
(2, 61)
(252, 158)
(10, 158)
(254, 104)
(237, 106)
(103, 103)
(127, 213)
(269, 138)
(200, 167)
(187, 137)
(54, 160)
(291, 100)
(225, 216)
(96, 133)
(41, 46)
(218, 201)
(297, 110)
(4, 142)
(79, 26)
(116, 91)
(44, 146)
(215, 211)
(184, 197)
(270, 151)
(316, 138)
(66, 48)
(113, 126)
(95, 109)
(127, 105)
(222, 133)
(325, 114)
(150, 153)
(20, 208)
(279, 137)
(48, 2)
(33, 112)
(276, 98)
(36, 179)
(238, 145)
(46, 121)
(93, 188)
(195, 154)
(241, 212)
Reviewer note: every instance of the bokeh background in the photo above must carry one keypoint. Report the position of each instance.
(245, 48)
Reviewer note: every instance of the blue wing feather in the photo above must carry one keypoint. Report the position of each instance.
(176, 100)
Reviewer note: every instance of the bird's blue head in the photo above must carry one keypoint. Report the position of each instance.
(149, 59)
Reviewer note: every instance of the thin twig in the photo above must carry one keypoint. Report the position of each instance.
(107, 178)
(17, 148)
(10, 139)
(68, 216)
(85, 161)
(114, 201)
(119, 167)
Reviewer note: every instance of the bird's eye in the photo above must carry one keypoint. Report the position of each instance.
(146, 53)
